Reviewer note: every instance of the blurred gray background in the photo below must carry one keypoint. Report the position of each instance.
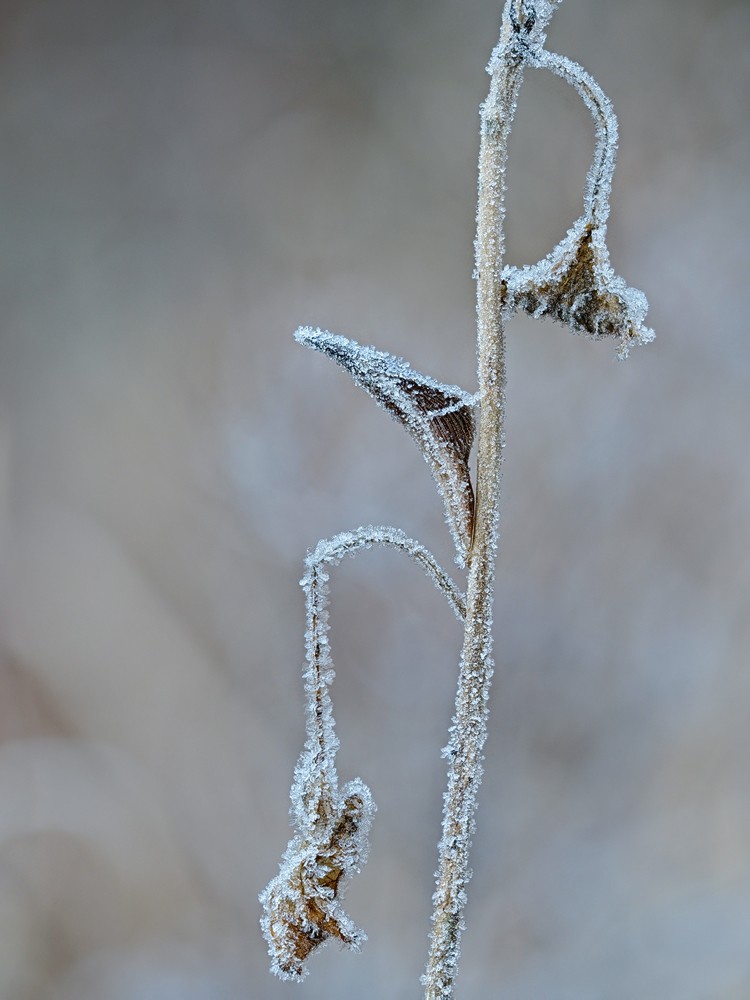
(182, 183)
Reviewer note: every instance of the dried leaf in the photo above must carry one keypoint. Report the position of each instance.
(302, 904)
(575, 284)
(439, 417)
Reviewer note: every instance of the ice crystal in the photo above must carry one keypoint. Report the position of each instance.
(302, 904)
(439, 417)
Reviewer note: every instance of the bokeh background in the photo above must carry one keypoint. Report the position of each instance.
(182, 183)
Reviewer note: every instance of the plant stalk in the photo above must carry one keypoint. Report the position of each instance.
(469, 729)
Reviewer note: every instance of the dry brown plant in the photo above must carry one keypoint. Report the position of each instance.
(575, 285)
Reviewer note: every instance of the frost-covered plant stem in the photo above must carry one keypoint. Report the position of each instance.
(469, 729)
(574, 285)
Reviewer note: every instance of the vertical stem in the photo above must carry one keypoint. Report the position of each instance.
(522, 25)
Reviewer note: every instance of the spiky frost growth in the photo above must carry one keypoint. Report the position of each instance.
(575, 283)
(439, 417)
(302, 904)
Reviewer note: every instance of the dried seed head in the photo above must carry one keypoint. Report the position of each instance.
(575, 284)
(302, 908)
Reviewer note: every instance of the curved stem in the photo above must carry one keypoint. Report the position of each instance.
(315, 785)
(330, 551)
(600, 106)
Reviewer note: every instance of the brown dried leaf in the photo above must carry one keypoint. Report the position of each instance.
(439, 417)
(575, 284)
(302, 908)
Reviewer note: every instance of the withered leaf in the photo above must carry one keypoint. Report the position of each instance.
(302, 905)
(439, 417)
(575, 284)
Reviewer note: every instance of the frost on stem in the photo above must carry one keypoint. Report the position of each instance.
(302, 904)
(439, 417)
(575, 284)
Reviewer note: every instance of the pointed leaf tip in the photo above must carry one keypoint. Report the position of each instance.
(439, 417)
